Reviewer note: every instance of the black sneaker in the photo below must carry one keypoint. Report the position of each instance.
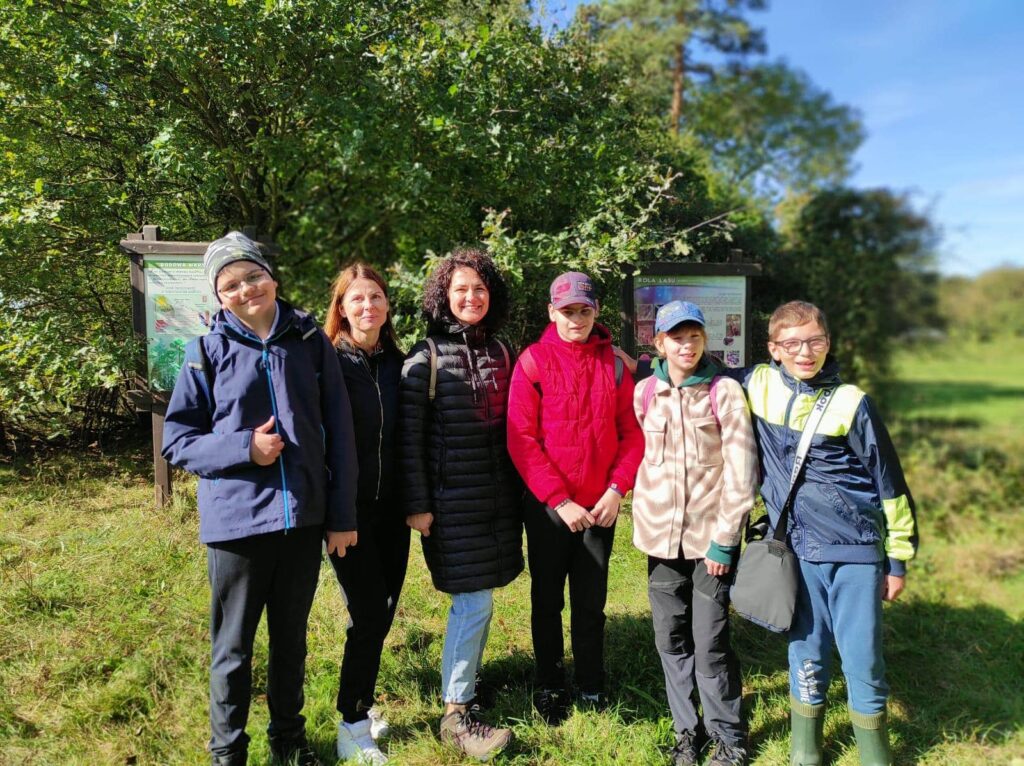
(294, 752)
(552, 705)
(728, 755)
(686, 751)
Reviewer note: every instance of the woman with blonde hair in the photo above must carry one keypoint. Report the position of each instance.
(371, 574)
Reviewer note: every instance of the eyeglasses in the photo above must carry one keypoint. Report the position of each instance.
(253, 278)
(793, 346)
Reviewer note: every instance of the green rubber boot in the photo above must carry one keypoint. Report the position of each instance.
(808, 724)
(872, 735)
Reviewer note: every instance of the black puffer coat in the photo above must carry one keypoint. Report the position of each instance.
(372, 383)
(455, 464)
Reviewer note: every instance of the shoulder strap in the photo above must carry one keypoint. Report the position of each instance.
(619, 369)
(508, 363)
(813, 421)
(529, 365)
(432, 390)
(195, 358)
(649, 385)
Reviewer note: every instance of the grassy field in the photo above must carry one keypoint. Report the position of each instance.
(103, 614)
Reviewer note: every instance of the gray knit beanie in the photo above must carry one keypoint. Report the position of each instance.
(233, 246)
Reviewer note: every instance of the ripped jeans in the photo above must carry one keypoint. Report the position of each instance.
(839, 603)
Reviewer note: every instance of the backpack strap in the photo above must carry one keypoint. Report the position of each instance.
(508, 360)
(432, 390)
(649, 385)
(195, 358)
(529, 365)
(620, 369)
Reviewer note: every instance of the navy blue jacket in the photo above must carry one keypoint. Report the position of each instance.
(293, 375)
(852, 503)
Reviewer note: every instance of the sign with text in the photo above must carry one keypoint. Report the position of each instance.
(179, 305)
(720, 290)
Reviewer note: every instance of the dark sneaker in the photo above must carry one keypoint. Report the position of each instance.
(472, 737)
(687, 750)
(552, 705)
(728, 755)
(294, 752)
(235, 759)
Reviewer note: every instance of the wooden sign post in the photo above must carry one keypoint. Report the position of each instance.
(171, 303)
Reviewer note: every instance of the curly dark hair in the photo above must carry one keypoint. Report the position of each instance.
(436, 307)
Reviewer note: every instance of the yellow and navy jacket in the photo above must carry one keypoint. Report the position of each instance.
(852, 503)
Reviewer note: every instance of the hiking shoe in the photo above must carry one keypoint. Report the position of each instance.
(552, 705)
(294, 752)
(378, 726)
(472, 737)
(686, 751)
(728, 755)
(355, 743)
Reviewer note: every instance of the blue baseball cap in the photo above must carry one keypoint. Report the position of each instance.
(677, 312)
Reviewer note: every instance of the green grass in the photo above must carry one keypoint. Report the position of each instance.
(103, 614)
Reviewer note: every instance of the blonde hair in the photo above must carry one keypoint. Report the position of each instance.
(794, 314)
(661, 335)
(336, 326)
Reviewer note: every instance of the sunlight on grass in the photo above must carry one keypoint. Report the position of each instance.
(103, 614)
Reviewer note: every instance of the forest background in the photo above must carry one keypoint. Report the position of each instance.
(648, 130)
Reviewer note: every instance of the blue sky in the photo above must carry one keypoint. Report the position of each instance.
(940, 88)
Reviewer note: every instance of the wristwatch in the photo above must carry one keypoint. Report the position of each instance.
(616, 489)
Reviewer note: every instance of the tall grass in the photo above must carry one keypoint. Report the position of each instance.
(103, 614)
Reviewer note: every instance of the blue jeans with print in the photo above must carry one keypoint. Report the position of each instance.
(839, 603)
(469, 621)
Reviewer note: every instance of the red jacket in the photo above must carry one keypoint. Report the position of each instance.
(577, 434)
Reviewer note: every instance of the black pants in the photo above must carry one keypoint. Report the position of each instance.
(277, 571)
(555, 553)
(690, 609)
(371, 575)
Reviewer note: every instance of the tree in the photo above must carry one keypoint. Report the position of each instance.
(767, 127)
(342, 128)
(851, 252)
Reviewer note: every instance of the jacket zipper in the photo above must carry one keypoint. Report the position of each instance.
(380, 433)
(277, 430)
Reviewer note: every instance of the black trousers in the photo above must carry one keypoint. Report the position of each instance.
(279, 572)
(371, 576)
(690, 609)
(556, 553)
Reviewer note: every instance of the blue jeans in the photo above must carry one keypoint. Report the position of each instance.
(840, 603)
(469, 621)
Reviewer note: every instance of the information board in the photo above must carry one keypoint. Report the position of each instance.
(722, 291)
(179, 305)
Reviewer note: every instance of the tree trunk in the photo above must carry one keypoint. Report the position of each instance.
(678, 79)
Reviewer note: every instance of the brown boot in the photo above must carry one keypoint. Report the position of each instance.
(472, 737)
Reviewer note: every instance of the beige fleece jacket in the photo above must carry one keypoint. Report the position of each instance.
(697, 482)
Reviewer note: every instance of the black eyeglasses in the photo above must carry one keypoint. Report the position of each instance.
(792, 346)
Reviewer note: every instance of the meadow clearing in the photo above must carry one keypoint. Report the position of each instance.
(103, 613)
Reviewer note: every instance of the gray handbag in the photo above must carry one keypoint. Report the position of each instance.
(764, 590)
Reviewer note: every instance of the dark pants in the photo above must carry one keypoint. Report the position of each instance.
(690, 609)
(276, 571)
(555, 553)
(371, 575)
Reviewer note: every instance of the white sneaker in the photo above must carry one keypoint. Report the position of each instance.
(378, 726)
(355, 743)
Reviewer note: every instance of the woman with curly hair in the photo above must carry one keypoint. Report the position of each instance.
(462, 493)
(371, 574)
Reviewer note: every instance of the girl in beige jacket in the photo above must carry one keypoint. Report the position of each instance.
(693, 493)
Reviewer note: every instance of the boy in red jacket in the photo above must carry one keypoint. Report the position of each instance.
(574, 439)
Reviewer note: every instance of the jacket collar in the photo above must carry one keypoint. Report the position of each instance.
(288, 318)
(600, 336)
(827, 377)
